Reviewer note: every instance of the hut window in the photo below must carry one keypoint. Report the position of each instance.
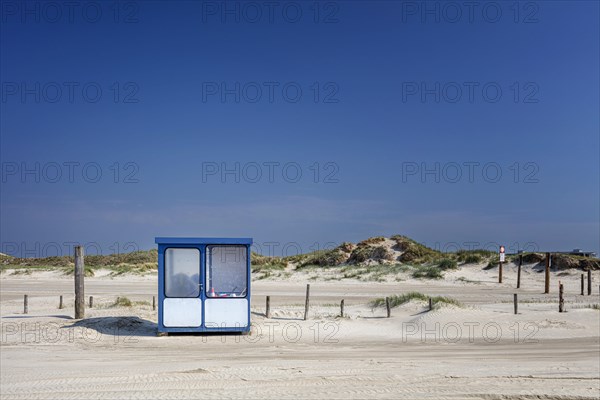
(182, 272)
(226, 271)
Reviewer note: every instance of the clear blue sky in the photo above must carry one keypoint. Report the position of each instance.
(387, 76)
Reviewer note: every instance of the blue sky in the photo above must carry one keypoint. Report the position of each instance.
(499, 103)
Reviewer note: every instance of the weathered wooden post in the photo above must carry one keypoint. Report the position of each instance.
(589, 282)
(547, 274)
(91, 301)
(516, 303)
(153, 303)
(582, 284)
(430, 304)
(306, 303)
(60, 302)
(500, 272)
(561, 300)
(387, 307)
(79, 291)
(25, 304)
(268, 307)
(342, 308)
(519, 271)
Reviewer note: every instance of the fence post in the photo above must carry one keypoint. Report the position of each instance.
(547, 274)
(430, 304)
(561, 300)
(500, 272)
(60, 302)
(589, 282)
(342, 308)
(519, 271)
(79, 287)
(25, 304)
(516, 303)
(268, 307)
(387, 307)
(91, 301)
(153, 303)
(306, 303)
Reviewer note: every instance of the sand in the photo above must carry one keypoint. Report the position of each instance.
(480, 350)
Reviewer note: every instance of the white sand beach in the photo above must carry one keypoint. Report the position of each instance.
(477, 350)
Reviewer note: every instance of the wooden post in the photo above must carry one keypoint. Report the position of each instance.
(342, 308)
(306, 303)
(387, 307)
(430, 304)
(60, 302)
(79, 291)
(91, 301)
(561, 300)
(268, 307)
(589, 282)
(25, 304)
(582, 284)
(500, 272)
(519, 271)
(547, 274)
(153, 303)
(516, 303)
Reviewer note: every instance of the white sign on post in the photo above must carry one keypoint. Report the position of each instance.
(501, 253)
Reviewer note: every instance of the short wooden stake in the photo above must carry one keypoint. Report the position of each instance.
(582, 284)
(547, 274)
(342, 308)
(430, 304)
(60, 302)
(91, 301)
(516, 303)
(79, 291)
(387, 307)
(589, 282)
(561, 300)
(306, 303)
(153, 303)
(500, 272)
(268, 307)
(25, 304)
(519, 271)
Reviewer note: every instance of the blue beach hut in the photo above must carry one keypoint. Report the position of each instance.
(203, 284)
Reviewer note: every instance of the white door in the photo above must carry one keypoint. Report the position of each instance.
(182, 306)
(226, 304)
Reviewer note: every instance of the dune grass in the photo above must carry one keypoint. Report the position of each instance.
(135, 269)
(264, 267)
(490, 265)
(413, 251)
(474, 256)
(473, 259)
(427, 272)
(323, 258)
(447, 263)
(137, 262)
(397, 300)
(88, 271)
(122, 301)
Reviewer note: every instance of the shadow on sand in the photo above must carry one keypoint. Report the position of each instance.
(132, 326)
(128, 325)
